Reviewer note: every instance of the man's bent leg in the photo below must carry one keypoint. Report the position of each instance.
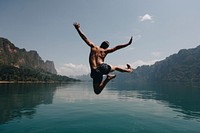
(128, 69)
(98, 87)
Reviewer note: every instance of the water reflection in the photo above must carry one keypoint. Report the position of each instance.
(82, 92)
(181, 97)
(21, 100)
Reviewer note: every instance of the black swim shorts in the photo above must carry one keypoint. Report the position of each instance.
(97, 74)
(104, 68)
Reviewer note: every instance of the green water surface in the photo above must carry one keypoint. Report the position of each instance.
(125, 108)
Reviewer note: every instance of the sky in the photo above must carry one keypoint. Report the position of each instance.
(160, 28)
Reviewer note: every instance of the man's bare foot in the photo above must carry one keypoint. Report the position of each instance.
(129, 67)
(109, 76)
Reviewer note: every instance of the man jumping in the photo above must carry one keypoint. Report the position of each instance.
(96, 60)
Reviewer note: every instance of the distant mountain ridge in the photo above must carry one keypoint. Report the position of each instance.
(11, 55)
(181, 67)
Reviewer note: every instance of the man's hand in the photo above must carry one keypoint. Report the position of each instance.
(129, 43)
(76, 25)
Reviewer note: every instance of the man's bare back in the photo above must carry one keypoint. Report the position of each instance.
(97, 56)
(96, 60)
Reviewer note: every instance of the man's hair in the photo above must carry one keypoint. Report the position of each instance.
(105, 44)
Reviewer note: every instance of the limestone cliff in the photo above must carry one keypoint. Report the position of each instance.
(13, 56)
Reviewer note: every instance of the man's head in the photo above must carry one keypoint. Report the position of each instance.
(104, 44)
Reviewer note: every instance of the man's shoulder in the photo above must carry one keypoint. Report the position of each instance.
(95, 47)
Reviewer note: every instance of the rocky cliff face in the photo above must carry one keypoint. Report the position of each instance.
(49, 66)
(13, 56)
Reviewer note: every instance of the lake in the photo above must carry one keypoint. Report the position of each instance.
(120, 108)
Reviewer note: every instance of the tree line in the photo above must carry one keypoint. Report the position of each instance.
(11, 73)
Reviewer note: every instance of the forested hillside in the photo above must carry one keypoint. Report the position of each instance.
(181, 67)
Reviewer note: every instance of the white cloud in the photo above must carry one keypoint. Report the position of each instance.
(146, 17)
(141, 62)
(137, 63)
(71, 69)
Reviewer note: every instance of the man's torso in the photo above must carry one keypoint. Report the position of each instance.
(97, 56)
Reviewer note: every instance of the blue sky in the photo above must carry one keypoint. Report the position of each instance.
(160, 28)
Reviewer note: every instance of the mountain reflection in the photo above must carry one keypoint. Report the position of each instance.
(18, 100)
(181, 97)
(22, 100)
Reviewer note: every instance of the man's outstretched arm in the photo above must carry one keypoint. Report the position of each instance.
(119, 46)
(87, 41)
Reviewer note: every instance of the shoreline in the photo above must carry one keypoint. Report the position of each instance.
(31, 82)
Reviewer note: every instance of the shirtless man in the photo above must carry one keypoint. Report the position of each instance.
(96, 60)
